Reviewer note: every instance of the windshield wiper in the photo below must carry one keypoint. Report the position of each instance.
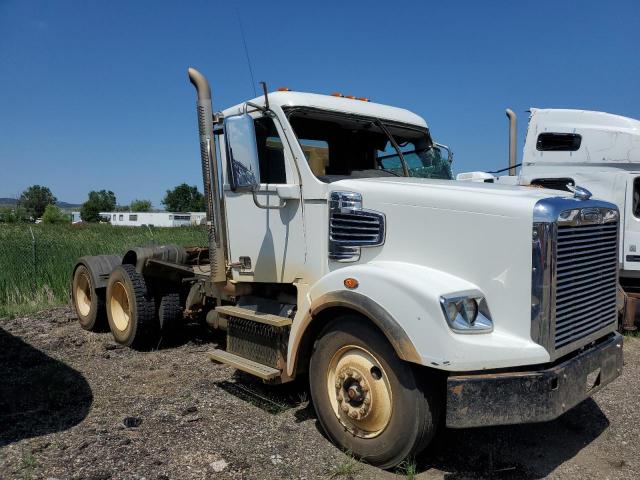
(405, 169)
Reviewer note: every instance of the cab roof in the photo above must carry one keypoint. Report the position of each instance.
(335, 104)
(586, 119)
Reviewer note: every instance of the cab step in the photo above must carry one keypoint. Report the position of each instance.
(264, 372)
(266, 318)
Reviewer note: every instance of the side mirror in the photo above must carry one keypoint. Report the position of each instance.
(445, 149)
(242, 152)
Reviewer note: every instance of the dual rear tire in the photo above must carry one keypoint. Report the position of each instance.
(131, 309)
(136, 315)
(88, 300)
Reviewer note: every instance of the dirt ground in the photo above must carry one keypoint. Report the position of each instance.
(74, 405)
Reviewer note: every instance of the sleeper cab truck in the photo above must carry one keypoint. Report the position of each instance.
(339, 247)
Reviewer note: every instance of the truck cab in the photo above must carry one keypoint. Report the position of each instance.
(340, 248)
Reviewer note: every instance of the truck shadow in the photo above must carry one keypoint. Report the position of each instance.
(274, 399)
(515, 451)
(38, 394)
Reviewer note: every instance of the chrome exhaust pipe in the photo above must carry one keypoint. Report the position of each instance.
(216, 225)
(513, 131)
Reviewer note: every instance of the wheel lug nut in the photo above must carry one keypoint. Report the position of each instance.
(345, 408)
(354, 414)
(338, 383)
(367, 401)
(356, 376)
(363, 411)
(340, 397)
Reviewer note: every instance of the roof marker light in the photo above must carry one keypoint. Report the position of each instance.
(337, 94)
(284, 89)
(363, 99)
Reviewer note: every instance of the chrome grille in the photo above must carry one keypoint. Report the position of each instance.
(586, 266)
(361, 228)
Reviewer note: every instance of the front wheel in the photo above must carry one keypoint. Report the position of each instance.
(368, 401)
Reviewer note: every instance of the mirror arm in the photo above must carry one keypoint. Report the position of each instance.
(282, 203)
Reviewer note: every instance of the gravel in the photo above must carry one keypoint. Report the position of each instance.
(75, 405)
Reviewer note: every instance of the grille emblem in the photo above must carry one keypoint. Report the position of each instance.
(591, 215)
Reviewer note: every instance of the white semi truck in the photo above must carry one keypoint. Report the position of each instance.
(596, 150)
(341, 248)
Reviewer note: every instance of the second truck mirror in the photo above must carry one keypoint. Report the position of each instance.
(242, 152)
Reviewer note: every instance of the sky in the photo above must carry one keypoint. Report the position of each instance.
(94, 94)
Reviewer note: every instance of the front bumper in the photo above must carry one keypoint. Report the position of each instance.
(503, 398)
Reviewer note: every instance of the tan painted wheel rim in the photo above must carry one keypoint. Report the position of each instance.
(359, 391)
(83, 295)
(120, 306)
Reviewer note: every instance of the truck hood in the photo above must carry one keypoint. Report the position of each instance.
(479, 233)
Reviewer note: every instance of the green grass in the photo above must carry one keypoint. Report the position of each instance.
(28, 464)
(36, 278)
(348, 467)
(408, 468)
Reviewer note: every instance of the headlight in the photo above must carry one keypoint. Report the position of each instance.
(467, 312)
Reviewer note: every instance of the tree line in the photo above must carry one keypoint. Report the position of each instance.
(38, 203)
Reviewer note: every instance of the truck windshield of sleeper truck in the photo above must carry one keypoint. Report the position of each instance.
(339, 248)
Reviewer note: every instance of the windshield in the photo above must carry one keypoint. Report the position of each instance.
(339, 146)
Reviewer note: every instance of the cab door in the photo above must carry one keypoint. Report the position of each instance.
(265, 225)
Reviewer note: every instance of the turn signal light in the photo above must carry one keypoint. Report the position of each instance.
(350, 97)
(351, 283)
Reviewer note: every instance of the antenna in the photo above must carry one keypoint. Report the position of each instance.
(246, 52)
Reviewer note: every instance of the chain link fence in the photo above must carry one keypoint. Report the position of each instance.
(36, 260)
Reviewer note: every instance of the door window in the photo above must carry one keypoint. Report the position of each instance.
(270, 152)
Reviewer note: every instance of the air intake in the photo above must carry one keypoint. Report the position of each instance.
(352, 227)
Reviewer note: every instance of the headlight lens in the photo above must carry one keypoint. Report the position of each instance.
(467, 312)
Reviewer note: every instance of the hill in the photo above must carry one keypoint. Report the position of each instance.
(10, 202)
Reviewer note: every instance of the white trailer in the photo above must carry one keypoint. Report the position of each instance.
(153, 219)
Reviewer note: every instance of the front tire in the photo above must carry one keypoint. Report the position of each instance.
(131, 309)
(368, 401)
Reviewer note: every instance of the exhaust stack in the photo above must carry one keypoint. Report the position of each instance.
(211, 179)
(513, 130)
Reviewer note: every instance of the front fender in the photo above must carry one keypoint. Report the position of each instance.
(403, 300)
